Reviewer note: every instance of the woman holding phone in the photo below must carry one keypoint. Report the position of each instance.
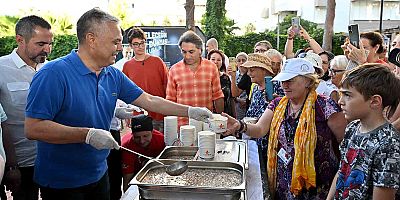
(239, 74)
(371, 45)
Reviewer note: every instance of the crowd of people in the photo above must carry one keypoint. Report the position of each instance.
(329, 132)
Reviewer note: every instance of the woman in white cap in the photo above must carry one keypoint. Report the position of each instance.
(316, 60)
(302, 128)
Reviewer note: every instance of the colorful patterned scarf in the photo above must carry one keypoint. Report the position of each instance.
(303, 173)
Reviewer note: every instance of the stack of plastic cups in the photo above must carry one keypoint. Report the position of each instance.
(199, 127)
(170, 130)
(207, 140)
(187, 134)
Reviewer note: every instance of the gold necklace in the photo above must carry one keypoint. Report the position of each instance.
(294, 112)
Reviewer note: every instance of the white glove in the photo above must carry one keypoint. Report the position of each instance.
(200, 114)
(101, 139)
(126, 112)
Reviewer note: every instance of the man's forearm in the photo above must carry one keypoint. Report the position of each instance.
(160, 105)
(9, 147)
(52, 132)
(219, 105)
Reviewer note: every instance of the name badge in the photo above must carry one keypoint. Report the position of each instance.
(284, 156)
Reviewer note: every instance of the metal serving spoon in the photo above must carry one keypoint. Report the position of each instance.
(175, 169)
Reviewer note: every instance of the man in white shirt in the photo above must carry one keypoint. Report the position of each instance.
(34, 39)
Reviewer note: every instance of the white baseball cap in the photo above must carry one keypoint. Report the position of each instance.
(315, 59)
(294, 67)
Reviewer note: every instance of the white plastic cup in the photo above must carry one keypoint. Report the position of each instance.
(250, 120)
(207, 141)
(199, 127)
(218, 123)
(170, 130)
(187, 135)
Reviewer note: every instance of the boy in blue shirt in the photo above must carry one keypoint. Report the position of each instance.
(370, 151)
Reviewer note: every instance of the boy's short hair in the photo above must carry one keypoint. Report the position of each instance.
(374, 79)
(136, 32)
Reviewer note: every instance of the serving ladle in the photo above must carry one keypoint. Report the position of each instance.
(174, 169)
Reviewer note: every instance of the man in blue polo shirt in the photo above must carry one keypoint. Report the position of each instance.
(70, 105)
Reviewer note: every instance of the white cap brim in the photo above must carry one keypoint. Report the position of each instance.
(284, 76)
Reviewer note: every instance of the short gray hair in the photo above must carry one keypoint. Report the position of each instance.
(265, 43)
(213, 41)
(242, 54)
(273, 52)
(191, 37)
(90, 21)
(339, 61)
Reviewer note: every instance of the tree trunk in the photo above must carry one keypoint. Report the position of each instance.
(329, 19)
(189, 7)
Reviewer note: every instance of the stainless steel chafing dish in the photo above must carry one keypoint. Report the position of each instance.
(159, 191)
(232, 151)
(225, 151)
(173, 152)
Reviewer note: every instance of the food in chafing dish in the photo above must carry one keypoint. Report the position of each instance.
(195, 177)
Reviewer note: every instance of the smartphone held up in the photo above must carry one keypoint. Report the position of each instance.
(354, 35)
(296, 25)
(232, 64)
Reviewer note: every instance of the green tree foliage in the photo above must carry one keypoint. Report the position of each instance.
(314, 31)
(214, 19)
(249, 28)
(7, 44)
(235, 44)
(62, 45)
(60, 25)
(122, 10)
(7, 25)
(245, 43)
(214, 22)
(311, 27)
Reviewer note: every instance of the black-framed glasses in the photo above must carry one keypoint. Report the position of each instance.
(137, 44)
(276, 64)
(336, 71)
(241, 60)
(260, 50)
